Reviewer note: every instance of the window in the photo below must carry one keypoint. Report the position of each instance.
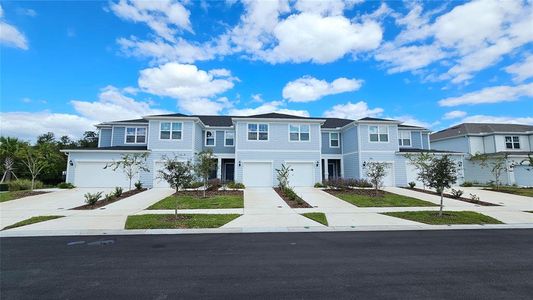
(135, 135)
(257, 132)
(512, 142)
(170, 131)
(210, 138)
(404, 138)
(379, 133)
(334, 140)
(298, 132)
(229, 138)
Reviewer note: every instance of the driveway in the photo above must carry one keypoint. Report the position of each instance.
(325, 202)
(508, 200)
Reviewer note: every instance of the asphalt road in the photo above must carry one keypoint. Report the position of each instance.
(482, 264)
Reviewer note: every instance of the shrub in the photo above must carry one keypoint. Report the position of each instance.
(109, 196)
(65, 185)
(467, 184)
(235, 185)
(118, 191)
(474, 197)
(291, 195)
(91, 198)
(213, 184)
(412, 184)
(138, 185)
(4, 187)
(23, 184)
(456, 193)
(319, 185)
(194, 185)
(342, 184)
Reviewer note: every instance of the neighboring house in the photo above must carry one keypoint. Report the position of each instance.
(248, 149)
(512, 141)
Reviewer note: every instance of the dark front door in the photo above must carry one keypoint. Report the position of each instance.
(332, 170)
(230, 171)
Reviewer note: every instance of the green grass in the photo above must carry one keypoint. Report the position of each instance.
(449, 217)
(317, 217)
(388, 200)
(169, 221)
(197, 202)
(32, 220)
(528, 192)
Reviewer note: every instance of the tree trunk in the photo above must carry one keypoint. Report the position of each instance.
(441, 202)
(32, 182)
(205, 185)
(176, 208)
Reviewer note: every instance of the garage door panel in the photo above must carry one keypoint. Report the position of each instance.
(257, 174)
(93, 174)
(523, 175)
(302, 174)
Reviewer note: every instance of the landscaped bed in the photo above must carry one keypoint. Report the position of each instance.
(448, 217)
(195, 200)
(184, 221)
(8, 196)
(528, 192)
(479, 202)
(294, 201)
(107, 201)
(317, 217)
(371, 198)
(32, 220)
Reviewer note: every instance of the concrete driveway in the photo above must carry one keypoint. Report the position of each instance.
(325, 202)
(508, 200)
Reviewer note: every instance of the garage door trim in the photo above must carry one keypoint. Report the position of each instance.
(304, 162)
(271, 162)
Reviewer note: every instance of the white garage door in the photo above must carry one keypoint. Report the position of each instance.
(93, 174)
(158, 182)
(412, 175)
(302, 174)
(523, 175)
(388, 180)
(257, 174)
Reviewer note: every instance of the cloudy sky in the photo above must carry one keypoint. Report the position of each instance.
(68, 65)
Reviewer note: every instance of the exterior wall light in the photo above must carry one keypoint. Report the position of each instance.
(71, 163)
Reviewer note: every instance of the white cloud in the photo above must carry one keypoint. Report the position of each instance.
(494, 94)
(410, 120)
(10, 35)
(353, 111)
(455, 114)
(323, 7)
(498, 119)
(274, 106)
(408, 58)
(521, 70)
(307, 88)
(26, 12)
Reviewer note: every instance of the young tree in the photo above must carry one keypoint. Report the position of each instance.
(441, 175)
(178, 174)
(131, 164)
(34, 160)
(283, 176)
(376, 171)
(204, 164)
(422, 162)
(497, 165)
(8, 151)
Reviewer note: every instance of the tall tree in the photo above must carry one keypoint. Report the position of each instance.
(131, 165)
(204, 164)
(89, 140)
(9, 147)
(34, 160)
(442, 174)
(49, 147)
(178, 174)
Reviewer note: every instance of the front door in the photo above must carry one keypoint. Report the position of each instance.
(332, 170)
(229, 171)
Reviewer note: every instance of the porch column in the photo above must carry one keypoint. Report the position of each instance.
(219, 168)
(342, 166)
(326, 174)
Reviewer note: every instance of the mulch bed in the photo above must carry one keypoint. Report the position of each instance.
(105, 202)
(22, 194)
(362, 192)
(482, 203)
(209, 193)
(291, 203)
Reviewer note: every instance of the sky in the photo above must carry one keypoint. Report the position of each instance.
(65, 66)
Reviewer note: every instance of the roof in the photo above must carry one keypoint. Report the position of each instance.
(411, 126)
(170, 115)
(219, 121)
(418, 150)
(480, 129)
(276, 116)
(336, 122)
(376, 119)
(124, 121)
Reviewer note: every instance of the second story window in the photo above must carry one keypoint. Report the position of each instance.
(334, 140)
(257, 132)
(135, 135)
(170, 131)
(404, 138)
(512, 142)
(378, 133)
(229, 138)
(298, 132)
(210, 138)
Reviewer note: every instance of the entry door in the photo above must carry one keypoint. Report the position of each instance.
(332, 170)
(230, 171)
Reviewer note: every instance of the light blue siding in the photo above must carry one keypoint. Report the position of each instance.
(416, 139)
(391, 145)
(351, 165)
(198, 138)
(523, 175)
(105, 137)
(326, 149)
(156, 156)
(475, 173)
(186, 142)
(219, 143)
(119, 136)
(349, 140)
(458, 144)
(278, 138)
(425, 141)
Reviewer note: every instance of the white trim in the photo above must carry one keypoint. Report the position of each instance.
(92, 160)
(410, 139)
(99, 138)
(338, 140)
(68, 168)
(257, 161)
(172, 150)
(234, 139)
(135, 135)
(269, 120)
(102, 151)
(301, 162)
(214, 133)
(332, 156)
(379, 137)
(258, 140)
(170, 139)
(277, 150)
(224, 155)
(380, 151)
(359, 141)
(299, 140)
(512, 142)
(350, 153)
(112, 136)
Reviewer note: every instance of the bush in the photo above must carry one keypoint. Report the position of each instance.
(110, 196)
(118, 191)
(412, 184)
(65, 185)
(467, 184)
(319, 185)
(194, 185)
(91, 199)
(474, 197)
(291, 195)
(235, 185)
(456, 193)
(138, 185)
(342, 184)
(213, 184)
(4, 187)
(23, 184)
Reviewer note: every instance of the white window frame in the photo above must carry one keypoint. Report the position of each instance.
(170, 136)
(338, 139)
(225, 138)
(135, 135)
(299, 133)
(379, 134)
(401, 138)
(512, 142)
(257, 139)
(214, 132)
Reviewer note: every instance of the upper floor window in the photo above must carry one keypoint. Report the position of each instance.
(210, 138)
(257, 132)
(404, 138)
(229, 138)
(378, 133)
(135, 135)
(334, 140)
(512, 142)
(298, 132)
(170, 131)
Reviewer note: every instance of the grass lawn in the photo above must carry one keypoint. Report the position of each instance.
(449, 217)
(169, 221)
(317, 217)
(528, 192)
(6, 196)
(32, 220)
(197, 202)
(387, 200)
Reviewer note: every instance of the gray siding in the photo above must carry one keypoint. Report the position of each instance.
(349, 140)
(105, 137)
(351, 165)
(475, 173)
(278, 138)
(219, 143)
(459, 144)
(119, 136)
(326, 149)
(186, 142)
(425, 141)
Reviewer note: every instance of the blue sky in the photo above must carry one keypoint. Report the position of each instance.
(68, 65)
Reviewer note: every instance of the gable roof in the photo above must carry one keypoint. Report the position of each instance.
(480, 129)
(276, 116)
(216, 121)
(336, 122)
